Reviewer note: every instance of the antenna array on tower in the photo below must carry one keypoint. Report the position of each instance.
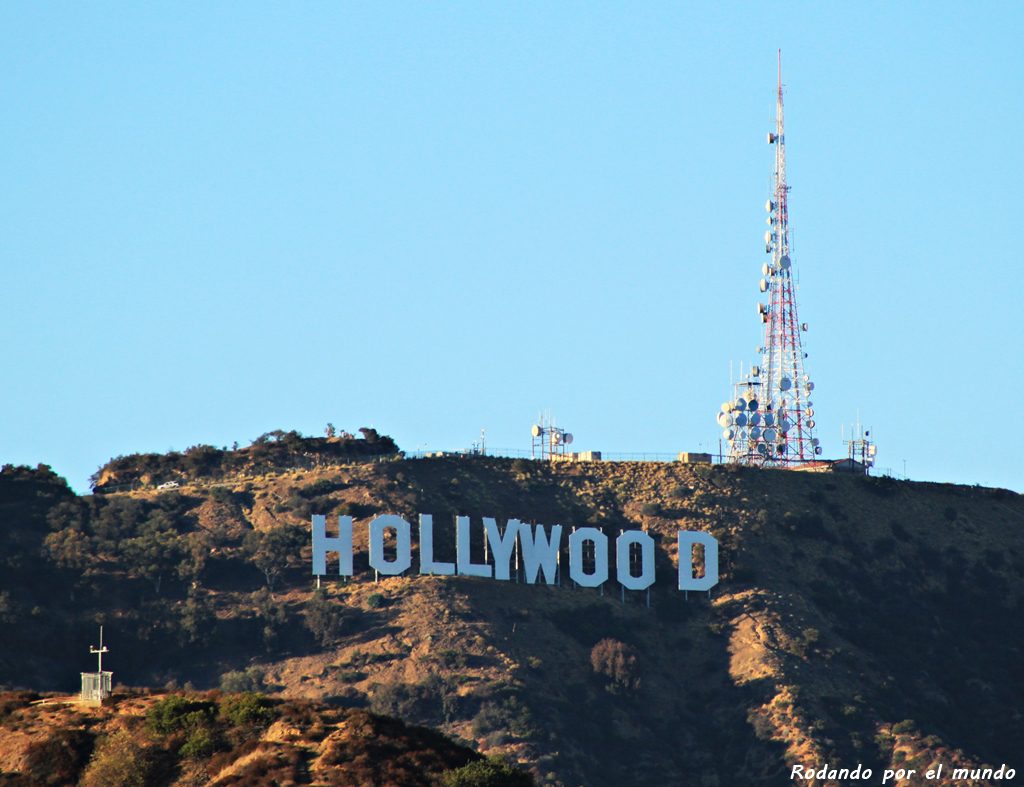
(770, 419)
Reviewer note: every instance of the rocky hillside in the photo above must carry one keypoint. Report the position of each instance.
(858, 620)
(224, 739)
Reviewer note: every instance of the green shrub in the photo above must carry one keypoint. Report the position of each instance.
(451, 659)
(376, 601)
(247, 708)
(506, 716)
(492, 772)
(178, 713)
(904, 727)
(237, 682)
(201, 742)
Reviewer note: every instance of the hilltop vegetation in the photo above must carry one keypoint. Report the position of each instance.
(270, 452)
(141, 739)
(857, 620)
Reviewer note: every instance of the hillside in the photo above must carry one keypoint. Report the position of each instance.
(221, 739)
(857, 619)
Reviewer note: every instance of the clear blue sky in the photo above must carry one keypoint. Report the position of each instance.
(225, 218)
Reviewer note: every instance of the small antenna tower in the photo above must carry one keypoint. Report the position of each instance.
(770, 420)
(549, 441)
(860, 448)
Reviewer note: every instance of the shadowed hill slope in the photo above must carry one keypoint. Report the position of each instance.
(857, 619)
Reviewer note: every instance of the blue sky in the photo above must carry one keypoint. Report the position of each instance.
(225, 218)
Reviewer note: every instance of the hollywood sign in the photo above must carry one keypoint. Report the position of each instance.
(537, 547)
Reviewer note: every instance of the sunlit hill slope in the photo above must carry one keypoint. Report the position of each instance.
(857, 620)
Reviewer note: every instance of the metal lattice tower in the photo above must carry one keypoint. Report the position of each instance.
(770, 420)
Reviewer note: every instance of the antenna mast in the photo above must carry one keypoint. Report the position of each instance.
(771, 418)
(99, 652)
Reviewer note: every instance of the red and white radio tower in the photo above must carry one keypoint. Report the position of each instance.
(770, 420)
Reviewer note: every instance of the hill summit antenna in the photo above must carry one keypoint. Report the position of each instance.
(770, 420)
(549, 441)
(96, 685)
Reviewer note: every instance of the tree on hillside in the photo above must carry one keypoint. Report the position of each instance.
(272, 615)
(195, 549)
(70, 549)
(617, 662)
(272, 551)
(195, 618)
(323, 617)
(155, 552)
(115, 519)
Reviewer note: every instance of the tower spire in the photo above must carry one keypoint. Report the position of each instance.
(771, 418)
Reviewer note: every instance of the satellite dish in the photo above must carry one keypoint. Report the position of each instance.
(803, 326)
(771, 138)
(766, 269)
(726, 407)
(784, 263)
(763, 285)
(769, 435)
(767, 236)
(556, 438)
(817, 450)
(728, 434)
(755, 432)
(755, 419)
(810, 404)
(814, 441)
(724, 420)
(785, 384)
(755, 371)
(762, 449)
(568, 438)
(741, 404)
(769, 419)
(810, 423)
(810, 412)
(536, 431)
(784, 425)
(810, 387)
(769, 206)
(752, 404)
(741, 419)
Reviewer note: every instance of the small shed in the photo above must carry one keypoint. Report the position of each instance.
(95, 687)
